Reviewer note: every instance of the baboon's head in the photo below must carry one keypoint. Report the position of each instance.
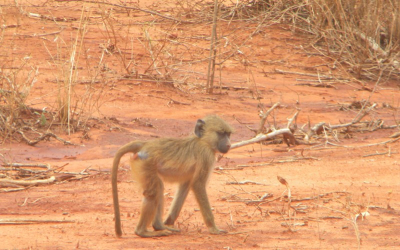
(215, 131)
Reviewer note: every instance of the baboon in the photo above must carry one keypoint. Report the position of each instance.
(187, 161)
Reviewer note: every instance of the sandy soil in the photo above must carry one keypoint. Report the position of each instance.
(332, 185)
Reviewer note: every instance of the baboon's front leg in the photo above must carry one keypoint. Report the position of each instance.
(177, 204)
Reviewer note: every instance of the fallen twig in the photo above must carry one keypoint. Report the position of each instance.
(40, 35)
(244, 183)
(388, 153)
(366, 145)
(43, 137)
(51, 18)
(31, 221)
(9, 190)
(21, 165)
(273, 161)
(320, 196)
(305, 74)
(172, 101)
(356, 119)
(263, 137)
(317, 85)
(262, 198)
(27, 182)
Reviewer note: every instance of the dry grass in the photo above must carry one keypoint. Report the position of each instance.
(361, 35)
(16, 82)
(65, 108)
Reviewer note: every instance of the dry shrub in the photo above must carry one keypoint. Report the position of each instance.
(67, 107)
(16, 82)
(363, 35)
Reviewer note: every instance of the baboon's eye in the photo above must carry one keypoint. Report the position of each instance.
(223, 133)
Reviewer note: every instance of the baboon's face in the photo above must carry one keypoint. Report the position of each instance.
(216, 132)
(224, 142)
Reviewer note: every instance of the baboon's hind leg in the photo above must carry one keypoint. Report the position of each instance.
(152, 203)
(158, 224)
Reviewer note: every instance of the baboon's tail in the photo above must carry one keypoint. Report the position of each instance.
(131, 147)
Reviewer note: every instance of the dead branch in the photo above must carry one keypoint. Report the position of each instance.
(293, 159)
(263, 202)
(317, 85)
(31, 221)
(263, 137)
(299, 224)
(244, 183)
(35, 177)
(304, 74)
(172, 101)
(9, 26)
(43, 137)
(340, 193)
(356, 119)
(262, 198)
(287, 133)
(27, 182)
(40, 35)
(388, 153)
(315, 130)
(21, 165)
(291, 120)
(366, 145)
(372, 44)
(9, 190)
(395, 135)
(264, 117)
(319, 128)
(51, 18)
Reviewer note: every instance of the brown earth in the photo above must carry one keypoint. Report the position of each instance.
(333, 182)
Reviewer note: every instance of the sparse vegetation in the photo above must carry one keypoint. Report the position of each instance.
(360, 36)
(321, 74)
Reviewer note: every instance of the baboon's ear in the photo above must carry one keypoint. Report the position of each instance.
(199, 129)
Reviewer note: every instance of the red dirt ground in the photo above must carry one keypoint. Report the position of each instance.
(336, 183)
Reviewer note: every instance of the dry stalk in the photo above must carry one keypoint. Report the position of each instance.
(213, 52)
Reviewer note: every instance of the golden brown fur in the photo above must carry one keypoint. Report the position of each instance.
(187, 161)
